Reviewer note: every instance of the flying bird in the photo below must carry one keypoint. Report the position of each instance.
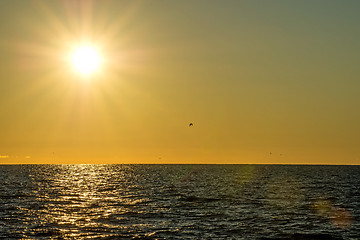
(191, 124)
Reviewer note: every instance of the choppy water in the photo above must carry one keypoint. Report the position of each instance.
(179, 202)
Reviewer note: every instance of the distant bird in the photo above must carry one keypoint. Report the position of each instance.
(191, 124)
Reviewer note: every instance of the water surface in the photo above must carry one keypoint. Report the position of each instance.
(179, 202)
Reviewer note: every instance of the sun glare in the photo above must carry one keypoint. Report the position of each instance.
(86, 60)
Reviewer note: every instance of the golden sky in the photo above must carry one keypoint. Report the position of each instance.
(261, 81)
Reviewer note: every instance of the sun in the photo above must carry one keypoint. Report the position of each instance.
(86, 59)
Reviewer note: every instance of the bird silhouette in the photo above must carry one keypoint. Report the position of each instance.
(191, 124)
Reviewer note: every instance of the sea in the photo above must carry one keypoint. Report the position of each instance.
(260, 202)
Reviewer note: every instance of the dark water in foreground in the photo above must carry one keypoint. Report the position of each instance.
(179, 202)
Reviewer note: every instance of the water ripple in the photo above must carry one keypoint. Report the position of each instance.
(179, 202)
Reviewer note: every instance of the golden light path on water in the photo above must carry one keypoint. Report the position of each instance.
(82, 186)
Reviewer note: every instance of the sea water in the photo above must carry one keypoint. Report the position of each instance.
(179, 202)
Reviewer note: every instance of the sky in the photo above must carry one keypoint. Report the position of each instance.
(263, 82)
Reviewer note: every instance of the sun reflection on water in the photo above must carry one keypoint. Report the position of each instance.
(84, 198)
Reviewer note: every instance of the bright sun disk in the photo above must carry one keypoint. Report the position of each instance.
(86, 60)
